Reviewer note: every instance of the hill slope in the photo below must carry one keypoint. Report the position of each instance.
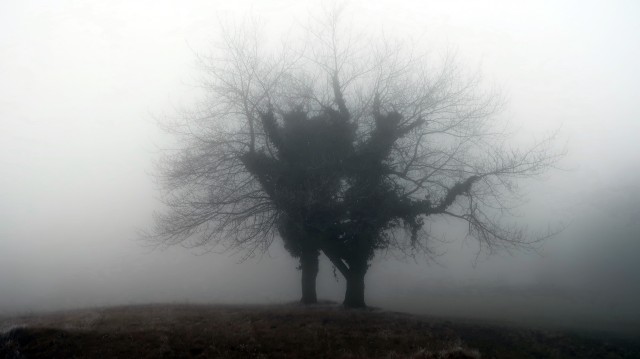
(283, 331)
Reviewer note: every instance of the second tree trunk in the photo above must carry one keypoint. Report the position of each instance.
(354, 295)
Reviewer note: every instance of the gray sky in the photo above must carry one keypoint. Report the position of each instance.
(82, 81)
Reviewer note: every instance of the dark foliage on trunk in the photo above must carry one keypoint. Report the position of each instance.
(302, 176)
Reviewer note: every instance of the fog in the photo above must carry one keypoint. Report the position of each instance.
(83, 82)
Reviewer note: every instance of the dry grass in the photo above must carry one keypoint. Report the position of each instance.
(281, 331)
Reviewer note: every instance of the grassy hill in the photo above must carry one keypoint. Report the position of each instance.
(285, 331)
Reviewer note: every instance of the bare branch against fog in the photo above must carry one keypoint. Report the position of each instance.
(426, 129)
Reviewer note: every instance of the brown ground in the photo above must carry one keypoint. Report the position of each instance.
(284, 331)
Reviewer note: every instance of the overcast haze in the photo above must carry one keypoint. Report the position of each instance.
(83, 82)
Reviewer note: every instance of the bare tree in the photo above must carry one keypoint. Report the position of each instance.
(424, 144)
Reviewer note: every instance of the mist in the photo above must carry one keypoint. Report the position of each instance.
(83, 84)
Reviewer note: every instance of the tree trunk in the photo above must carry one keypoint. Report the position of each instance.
(309, 266)
(354, 296)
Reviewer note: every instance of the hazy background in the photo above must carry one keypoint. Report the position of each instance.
(81, 83)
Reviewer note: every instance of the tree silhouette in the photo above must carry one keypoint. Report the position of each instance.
(339, 147)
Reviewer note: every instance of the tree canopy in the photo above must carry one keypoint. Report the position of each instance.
(339, 150)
